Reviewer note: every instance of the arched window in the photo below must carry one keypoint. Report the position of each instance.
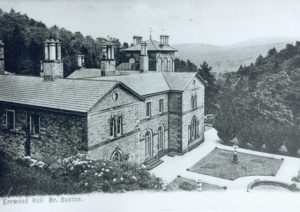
(148, 145)
(194, 101)
(116, 155)
(116, 126)
(160, 139)
(193, 130)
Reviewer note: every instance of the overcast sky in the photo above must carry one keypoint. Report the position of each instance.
(218, 22)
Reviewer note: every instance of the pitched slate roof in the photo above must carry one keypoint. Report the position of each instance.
(154, 82)
(152, 45)
(63, 94)
(85, 73)
(143, 84)
(178, 80)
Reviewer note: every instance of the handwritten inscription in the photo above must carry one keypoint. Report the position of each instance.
(39, 200)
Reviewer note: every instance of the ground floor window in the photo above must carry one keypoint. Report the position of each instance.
(160, 133)
(34, 124)
(148, 145)
(193, 129)
(9, 119)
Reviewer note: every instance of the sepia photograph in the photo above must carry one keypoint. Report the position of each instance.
(150, 105)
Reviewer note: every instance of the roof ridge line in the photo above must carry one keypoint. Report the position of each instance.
(162, 73)
(194, 74)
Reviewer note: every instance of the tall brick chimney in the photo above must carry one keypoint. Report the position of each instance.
(1, 57)
(144, 58)
(137, 39)
(108, 62)
(164, 40)
(80, 60)
(52, 64)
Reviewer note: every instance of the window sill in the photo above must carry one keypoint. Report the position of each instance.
(117, 136)
(35, 135)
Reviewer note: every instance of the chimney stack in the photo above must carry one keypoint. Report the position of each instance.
(137, 40)
(80, 60)
(108, 63)
(52, 64)
(1, 57)
(144, 59)
(164, 40)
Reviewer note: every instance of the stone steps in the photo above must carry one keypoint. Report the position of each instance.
(152, 163)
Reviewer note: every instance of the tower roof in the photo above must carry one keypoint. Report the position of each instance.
(152, 45)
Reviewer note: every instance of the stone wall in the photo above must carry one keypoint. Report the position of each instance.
(195, 87)
(100, 143)
(61, 135)
(53, 69)
(135, 125)
(175, 120)
(156, 120)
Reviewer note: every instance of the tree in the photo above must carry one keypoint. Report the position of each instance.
(272, 52)
(225, 122)
(184, 66)
(259, 60)
(211, 89)
(24, 47)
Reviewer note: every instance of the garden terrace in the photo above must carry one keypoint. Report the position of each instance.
(218, 163)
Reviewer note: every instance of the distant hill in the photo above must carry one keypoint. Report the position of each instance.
(228, 58)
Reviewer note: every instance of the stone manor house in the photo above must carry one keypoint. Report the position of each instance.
(138, 110)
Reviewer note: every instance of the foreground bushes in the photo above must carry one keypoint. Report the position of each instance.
(107, 176)
(73, 175)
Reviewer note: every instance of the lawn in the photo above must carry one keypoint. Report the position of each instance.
(218, 163)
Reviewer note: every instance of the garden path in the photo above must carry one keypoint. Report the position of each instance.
(177, 165)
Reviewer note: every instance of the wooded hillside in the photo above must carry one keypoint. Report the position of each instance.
(24, 37)
(260, 104)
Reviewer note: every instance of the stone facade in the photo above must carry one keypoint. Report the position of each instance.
(175, 120)
(154, 122)
(61, 135)
(165, 62)
(101, 144)
(135, 125)
(194, 88)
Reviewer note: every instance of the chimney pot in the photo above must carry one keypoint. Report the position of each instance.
(144, 59)
(164, 40)
(137, 40)
(52, 64)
